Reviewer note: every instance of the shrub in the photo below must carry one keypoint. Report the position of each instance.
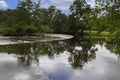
(30, 30)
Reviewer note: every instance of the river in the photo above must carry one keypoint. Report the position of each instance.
(72, 59)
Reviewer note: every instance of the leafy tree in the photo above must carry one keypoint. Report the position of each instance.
(17, 21)
(78, 9)
(24, 8)
(30, 30)
(44, 17)
(51, 12)
(109, 15)
(59, 23)
(47, 15)
(36, 14)
(52, 20)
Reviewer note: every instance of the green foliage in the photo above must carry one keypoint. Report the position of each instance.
(22, 20)
(96, 33)
(78, 8)
(15, 30)
(77, 19)
(30, 30)
(28, 17)
(59, 23)
(46, 29)
(110, 14)
(7, 31)
(109, 20)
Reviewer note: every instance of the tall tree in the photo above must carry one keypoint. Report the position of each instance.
(27, 14)
(78, 9)
(59, 23)
(109, 14)
(24, 8)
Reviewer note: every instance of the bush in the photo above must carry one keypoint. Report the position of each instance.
(46, 29)
(15, 30)
(30, 30)
(8, 32)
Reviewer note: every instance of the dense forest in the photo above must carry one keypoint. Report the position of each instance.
(30, 19)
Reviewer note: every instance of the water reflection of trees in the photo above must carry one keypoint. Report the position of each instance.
(113, 46)
(78, 57)
(28, 53)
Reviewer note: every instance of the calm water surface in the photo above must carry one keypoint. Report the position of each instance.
(74, 59)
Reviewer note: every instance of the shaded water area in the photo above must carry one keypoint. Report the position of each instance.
(73, 59)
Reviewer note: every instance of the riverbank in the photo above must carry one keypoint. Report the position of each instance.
(95, 33)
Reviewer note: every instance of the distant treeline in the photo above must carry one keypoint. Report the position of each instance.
(30, 19)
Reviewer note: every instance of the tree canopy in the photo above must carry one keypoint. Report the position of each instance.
(29, 18)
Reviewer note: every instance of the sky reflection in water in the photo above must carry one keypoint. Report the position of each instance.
(59, 60)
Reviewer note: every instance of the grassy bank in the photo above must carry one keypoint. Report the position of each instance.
(95, 33)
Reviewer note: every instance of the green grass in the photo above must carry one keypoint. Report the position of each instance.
(95, 33)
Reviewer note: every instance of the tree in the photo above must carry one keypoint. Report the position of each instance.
(51, 12)
(109, 15)
(24, 8)
(36, 14)
(25, 17)
(58, 23)
(78, 9)
(47, 15)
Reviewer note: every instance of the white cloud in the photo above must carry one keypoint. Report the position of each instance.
(45, 3)
(91, 2)
(3, 4)
(62, 4)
